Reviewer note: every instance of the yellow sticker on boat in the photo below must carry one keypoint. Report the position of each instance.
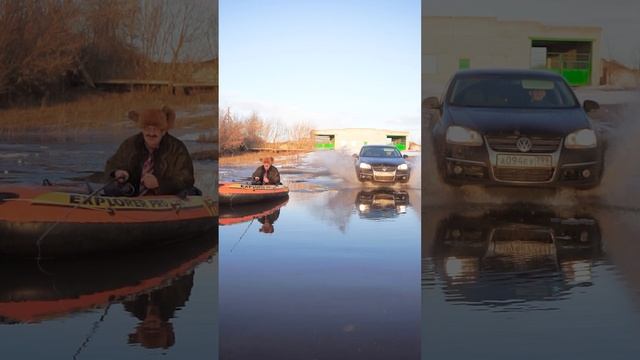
(257, 187)
(118, 203)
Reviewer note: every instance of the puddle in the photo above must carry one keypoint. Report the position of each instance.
(338, 255)
(529, 275)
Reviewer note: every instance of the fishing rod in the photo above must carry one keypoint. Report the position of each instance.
(66, 215)
(93, 331)
(243, 234)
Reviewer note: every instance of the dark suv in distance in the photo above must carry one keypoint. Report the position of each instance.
(515, 127)
(382, 163)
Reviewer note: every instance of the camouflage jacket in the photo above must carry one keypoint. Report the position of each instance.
(172, 165)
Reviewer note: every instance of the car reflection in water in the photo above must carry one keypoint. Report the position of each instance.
(151, 286)
(381, 203)
(516, 255)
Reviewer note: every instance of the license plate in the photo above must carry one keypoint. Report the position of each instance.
(384, 173)
(524, 161)
(523, 248)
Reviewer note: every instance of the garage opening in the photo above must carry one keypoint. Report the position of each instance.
(400, 142)
(325, 142)
(571, 59)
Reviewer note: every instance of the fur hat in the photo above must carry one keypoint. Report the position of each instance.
(163, 119)
(268, 159)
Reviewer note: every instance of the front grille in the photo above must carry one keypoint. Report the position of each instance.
(538, 144)
(523, 175)
(523, 233)
(387, 168)
(384, 178)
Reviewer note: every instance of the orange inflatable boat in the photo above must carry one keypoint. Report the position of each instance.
(40, 221)
(237, 193)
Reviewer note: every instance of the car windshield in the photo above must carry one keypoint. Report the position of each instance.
(509, 91)
(382, 152)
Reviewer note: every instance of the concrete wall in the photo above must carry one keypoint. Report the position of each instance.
(489, 43)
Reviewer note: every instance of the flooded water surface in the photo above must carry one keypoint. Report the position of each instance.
(330, 273)
(530, 282)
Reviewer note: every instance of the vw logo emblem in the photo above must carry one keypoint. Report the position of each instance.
(523, 144)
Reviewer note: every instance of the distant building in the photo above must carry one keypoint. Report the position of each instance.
(353, 139)
(616, 74)
(451, 43)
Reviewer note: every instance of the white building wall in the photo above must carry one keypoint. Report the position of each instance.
(351, 140)
(489, 43)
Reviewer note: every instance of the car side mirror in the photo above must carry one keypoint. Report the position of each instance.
(431, 102)
(590, 105)
(405, 156)
(355, 156)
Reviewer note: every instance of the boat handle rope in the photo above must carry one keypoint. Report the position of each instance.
(177, 207)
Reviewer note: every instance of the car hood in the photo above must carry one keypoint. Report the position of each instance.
(382, 160)
(541, 122)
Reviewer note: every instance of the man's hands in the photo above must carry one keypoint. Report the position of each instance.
(121, 176)
(150, 182)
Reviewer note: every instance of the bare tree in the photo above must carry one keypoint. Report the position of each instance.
(277, 132)
(110, 30)
(254, 131)
(230, 132)
(300, 134)
(49, 44)
(39, 44)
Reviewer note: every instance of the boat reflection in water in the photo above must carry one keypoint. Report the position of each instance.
(381, 203)
(151, 286)
(509, 256)
(266, 213)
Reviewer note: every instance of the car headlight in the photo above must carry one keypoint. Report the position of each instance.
(461, 269)
(403, 167)
(459, 135)
(581, 139)
(365, 166)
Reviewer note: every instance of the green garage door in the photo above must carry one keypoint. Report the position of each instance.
(576, 69)
(400, 142)
(571, 58)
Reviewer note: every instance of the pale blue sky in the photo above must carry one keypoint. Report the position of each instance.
(349, 63)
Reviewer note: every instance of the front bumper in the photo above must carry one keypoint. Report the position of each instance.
(478, 165)
(383, 177)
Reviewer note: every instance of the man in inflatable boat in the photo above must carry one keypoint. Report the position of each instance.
(267, 174)
(152, 162)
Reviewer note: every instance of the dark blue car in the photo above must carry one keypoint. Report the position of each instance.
(381, 163)
(515, 127)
